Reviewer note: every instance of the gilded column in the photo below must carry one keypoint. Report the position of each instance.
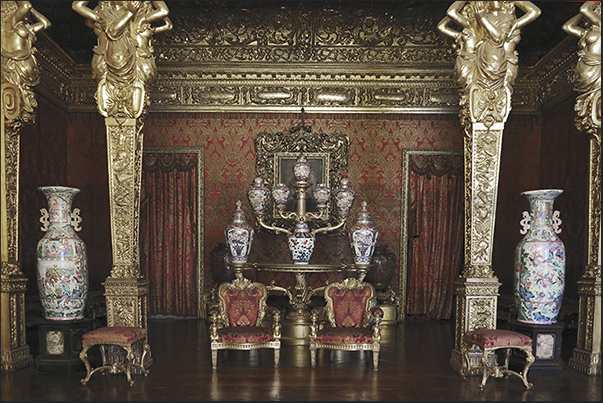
(485, 34)
(586, 356)
(124, 64)
(20, 23)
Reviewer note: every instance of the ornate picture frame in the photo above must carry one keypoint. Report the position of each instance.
(276, 152)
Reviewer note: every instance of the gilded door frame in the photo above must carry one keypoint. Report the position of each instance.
(406, 154)
(200, 151)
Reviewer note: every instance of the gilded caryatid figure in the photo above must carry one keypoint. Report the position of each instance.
(20, 23)
(587, 81)
(487, 62)
(123, 60)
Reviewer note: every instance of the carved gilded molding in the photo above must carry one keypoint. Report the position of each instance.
(224, 61)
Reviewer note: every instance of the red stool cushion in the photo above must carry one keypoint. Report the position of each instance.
(487, 338)
(115, 335)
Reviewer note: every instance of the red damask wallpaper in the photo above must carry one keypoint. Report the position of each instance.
(70, 149)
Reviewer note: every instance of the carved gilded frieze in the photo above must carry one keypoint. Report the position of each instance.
(324, 56)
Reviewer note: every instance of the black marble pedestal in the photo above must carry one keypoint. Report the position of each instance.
(60, 345)
(546, 346)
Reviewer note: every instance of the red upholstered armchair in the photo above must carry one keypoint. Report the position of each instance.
(349, 308)
(242, 307)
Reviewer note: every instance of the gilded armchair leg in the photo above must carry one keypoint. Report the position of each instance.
(214, 358)
(376, 360)
(313, 357)
(277, 357)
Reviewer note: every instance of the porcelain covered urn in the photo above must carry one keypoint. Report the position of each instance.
(363, 236)
(239, 236)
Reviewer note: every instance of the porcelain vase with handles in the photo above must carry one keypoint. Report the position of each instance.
(62, 258)
(539, 279)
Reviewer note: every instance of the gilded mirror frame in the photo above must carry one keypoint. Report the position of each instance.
(272, 148)
(202, 297)
(407, 153)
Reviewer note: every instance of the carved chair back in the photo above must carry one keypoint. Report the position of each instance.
(349, 303)
(242, 302)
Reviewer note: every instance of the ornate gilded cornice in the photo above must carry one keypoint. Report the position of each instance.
(325, 59)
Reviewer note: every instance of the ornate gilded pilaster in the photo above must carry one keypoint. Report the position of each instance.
(20, 23)
(485, 35)
(126, 290)
(586, 25)
(124, 64)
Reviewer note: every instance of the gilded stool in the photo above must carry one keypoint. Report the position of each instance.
(489, 340)
(124, 337)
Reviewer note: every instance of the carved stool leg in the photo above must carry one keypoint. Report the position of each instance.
(484, 368)
(313, 357)
(84, 358)
(376, 360)
(277, 357)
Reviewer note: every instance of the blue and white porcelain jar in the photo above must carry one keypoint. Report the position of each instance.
(301, 243)
(540, 261)
(363, 236)
(62, 257)
(259, 197)
(239, 236)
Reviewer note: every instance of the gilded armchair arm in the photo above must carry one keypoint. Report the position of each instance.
(276, 321)
(378, 315)
(214, 314)
(316, 313)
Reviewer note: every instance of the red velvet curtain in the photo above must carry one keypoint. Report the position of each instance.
(435, 215)
(168, 235)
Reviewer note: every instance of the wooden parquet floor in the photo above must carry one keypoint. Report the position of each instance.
(414, 366)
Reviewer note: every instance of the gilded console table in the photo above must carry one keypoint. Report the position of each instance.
(296, 326)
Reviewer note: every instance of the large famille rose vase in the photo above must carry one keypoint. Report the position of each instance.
(540, 261)
(61, 254)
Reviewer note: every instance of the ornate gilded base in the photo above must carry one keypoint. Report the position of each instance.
(475, 308)
(586, 357)
(295, 331)
(586, 361)
(389, 315)
(15, 351)
(127, 306)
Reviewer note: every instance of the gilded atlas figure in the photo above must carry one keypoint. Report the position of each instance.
(122, 61)
(20, 24)
(587, 26)
(465, 43)
(487, 62)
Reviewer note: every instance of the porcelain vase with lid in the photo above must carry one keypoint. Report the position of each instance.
(239, 236)
(62, 258)
(363, 236)
(539, 279)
